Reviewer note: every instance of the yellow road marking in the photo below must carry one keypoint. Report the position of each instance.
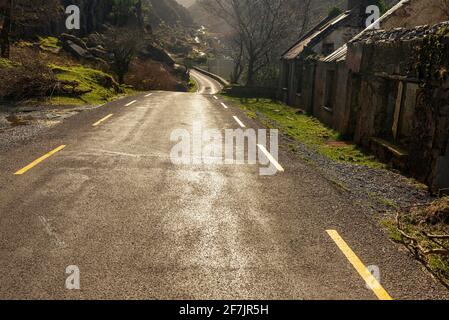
(36, 162)
(102, 120)
(358, 265)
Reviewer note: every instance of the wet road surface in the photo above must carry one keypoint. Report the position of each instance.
(112, 203)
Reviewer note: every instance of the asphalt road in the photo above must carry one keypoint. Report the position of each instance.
(138, 226)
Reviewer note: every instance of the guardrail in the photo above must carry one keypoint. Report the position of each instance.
(213, 76)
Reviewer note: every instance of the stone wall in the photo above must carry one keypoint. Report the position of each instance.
(404, 97)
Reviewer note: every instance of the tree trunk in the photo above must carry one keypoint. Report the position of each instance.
(139, 14)
(250, 76)
(121, 78)
(6, 28)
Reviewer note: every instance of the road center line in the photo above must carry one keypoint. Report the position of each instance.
(215, 97)
(224, 106)
(37, 161)
(271, 158)
(131, 103)
(358, 265)
(148, 95)
(102, 120)
(239, 122)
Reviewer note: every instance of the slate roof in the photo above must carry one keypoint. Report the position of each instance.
(340, 54)
(315, 35)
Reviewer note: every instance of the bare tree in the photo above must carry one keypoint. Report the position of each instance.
(124, 45)
(6, 13)
(236, 52)
(444, 6)
(259, 24)
(305, 16)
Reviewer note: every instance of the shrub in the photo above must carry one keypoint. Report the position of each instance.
(152, 75)
(28, 78)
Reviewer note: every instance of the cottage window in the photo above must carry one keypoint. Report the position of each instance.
(405, 125)
(399, 112)
(385, 118)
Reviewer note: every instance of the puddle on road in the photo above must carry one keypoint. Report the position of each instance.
(16, 121)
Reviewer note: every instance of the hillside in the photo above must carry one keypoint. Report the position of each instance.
(91, 65)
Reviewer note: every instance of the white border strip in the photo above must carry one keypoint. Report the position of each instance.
(239, 122)
(271, 158)
(131, 103)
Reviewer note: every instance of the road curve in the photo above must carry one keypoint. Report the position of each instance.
(139, 226)
(205, 84)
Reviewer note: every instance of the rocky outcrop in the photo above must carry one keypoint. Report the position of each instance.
(151, 51)
(91, 48)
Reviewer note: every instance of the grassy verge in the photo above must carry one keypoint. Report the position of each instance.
(425, 231)
(305, 129)
(94, 86)
(193, 85)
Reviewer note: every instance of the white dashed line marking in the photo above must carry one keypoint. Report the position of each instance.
(271, 158)
(148, 95)
(239, 122)
(131, 103)
(224, 106)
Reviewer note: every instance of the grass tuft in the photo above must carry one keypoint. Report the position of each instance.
(51, 44)
(5, 63)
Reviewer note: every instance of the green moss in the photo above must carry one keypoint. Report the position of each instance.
(101, 86)
(439, 265)
(417, 228)
(432, 61)
(307, 130)
(392, 230)
(5, 63)
(51, 44)
(384, 201)
(193, 85)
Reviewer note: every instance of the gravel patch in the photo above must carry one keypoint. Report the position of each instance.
(20, 124)
(377, 190)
